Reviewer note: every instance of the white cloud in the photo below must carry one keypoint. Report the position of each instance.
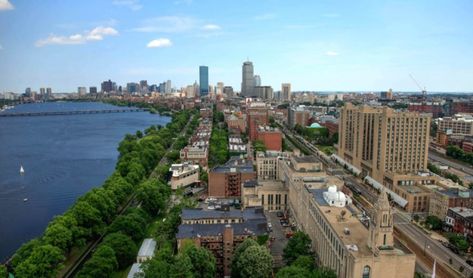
(265, 16)
(331, 53)
(5, 5)
(211, 27)
(161, 42)
(96, 34)
(133, 5)
(167, 24)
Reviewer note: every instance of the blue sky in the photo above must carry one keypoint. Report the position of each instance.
(315, 45)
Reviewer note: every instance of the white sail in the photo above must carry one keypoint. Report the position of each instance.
(22, 171)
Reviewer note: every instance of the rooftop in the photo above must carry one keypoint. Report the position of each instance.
(464, 212)
(246, 214)
(135, 269)
(147, 248)
(235, 164)
(357, 240)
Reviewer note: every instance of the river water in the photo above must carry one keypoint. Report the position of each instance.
(63, 157)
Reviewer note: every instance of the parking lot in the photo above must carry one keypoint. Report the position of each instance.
(278, 234)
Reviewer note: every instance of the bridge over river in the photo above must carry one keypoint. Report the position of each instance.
(76, 112)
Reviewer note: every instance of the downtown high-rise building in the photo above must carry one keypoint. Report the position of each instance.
(247, 82)
(204, 80)
(382, 142)
(285, 94)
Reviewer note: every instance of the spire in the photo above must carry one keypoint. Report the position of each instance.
(383, 200)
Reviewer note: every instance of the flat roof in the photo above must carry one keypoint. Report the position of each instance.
(147, 248)
(250, 227)
(235, 164)
(359, 234)
(246, 214)
(135, 268)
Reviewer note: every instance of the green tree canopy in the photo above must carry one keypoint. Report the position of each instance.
(102, 264)
(203, 262)
(293, 272)
(123, 246)
(255, 262)
(153, 196)
(237, 253)
(298, 245)
(44, 261)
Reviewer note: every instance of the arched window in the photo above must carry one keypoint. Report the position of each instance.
(366, 271)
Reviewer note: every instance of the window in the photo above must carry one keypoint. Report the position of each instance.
(366, 272)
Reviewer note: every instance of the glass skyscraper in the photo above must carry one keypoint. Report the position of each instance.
(204, 80)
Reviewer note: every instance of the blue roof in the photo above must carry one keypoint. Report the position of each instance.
(250, 227)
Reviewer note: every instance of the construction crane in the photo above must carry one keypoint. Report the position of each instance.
(423, 90)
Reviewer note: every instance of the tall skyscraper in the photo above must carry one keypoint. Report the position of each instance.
(247, 83)
(285, 94)
(168, 87)
(204, 80)
(384, 143)
(92, 90)
(257, 79)
(42, 91)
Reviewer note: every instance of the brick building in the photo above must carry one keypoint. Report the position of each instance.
(225, 180)
(460, 220)
(271, 137)
(443, 199)
(221, 231)
(256, 115)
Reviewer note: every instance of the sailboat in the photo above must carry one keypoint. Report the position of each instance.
(22, 171)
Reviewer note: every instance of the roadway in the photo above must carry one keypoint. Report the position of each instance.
(463, 167)
(401, 221)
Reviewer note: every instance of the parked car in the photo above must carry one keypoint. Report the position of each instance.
(270, 227)
(280, 214)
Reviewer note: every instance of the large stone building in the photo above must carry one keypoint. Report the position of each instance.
(247, 79)
(340, 239)
(221, 231)
(391, 147)
(225, 180)
(269, 194)
(459, 124)
(267, 164)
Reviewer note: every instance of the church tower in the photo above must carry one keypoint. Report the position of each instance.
(381, 226)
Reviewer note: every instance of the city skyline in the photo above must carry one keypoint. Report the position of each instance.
(314, 46)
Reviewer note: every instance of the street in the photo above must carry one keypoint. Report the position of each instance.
(450, 163)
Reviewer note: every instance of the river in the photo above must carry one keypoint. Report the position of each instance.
(63, 157)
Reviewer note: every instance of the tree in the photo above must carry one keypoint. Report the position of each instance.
(24, 252)
(3, 271)
(153, 196)
(255, 262)
(306, 262)
(203, 262)
(131, 224)
(123, 246)
(323, 272)
(182, 267)
(58, 235)
(434, 222)
(102, 264)
(237, 253)
(44, 261)
(293, 272)
(298, 245)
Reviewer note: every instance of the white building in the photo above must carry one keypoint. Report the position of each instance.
(183, 175)
(146, 251)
